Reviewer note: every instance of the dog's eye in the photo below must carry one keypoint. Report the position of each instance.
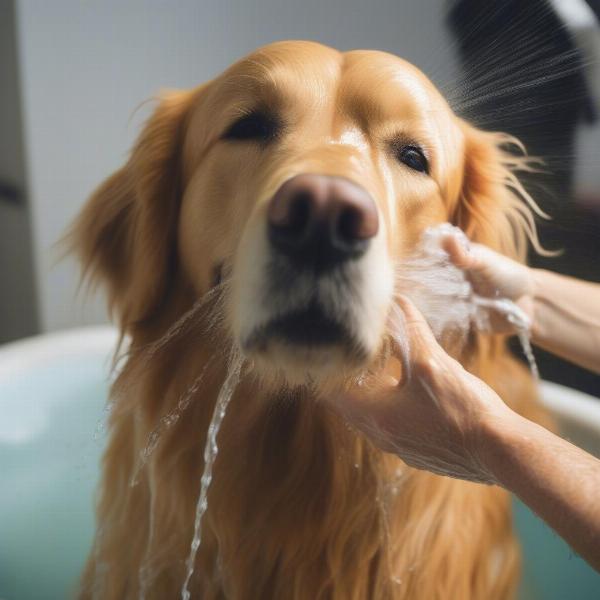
(258, 126)
(413, 157)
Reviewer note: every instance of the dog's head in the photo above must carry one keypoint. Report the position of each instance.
(302, 175)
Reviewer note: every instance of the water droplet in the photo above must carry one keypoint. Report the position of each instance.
(170, 419)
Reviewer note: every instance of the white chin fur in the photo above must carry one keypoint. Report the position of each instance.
(359, 295)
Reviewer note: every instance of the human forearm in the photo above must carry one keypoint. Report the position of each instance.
(566, 317)
(558, 481)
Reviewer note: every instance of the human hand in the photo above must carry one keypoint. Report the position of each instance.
(493, 275)
(436, 418)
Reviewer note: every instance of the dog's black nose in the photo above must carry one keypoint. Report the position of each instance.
(319, 221)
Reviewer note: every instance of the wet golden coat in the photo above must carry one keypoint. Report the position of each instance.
(301, 507)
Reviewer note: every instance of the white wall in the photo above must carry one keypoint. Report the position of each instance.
(87, 65)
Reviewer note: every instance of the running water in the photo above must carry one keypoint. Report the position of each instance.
(148, 352)
(210, 454)
(525, 339)
(167, 421)
(521, 322)
(101, 424)
(182, 324)
(445, 296)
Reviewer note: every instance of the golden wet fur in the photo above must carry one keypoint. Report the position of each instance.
(301, 506)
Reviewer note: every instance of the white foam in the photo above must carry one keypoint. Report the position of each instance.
(443, 293)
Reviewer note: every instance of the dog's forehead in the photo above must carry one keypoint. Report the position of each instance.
(383, 84)
(387, 84)
(284, 72)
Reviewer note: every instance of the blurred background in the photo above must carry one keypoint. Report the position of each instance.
(73, 73)
(74, 78)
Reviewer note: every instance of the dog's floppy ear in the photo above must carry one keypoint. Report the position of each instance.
(493, 207)
(125, 234)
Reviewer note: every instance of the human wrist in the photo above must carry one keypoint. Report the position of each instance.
(498, 437)
(537, 328)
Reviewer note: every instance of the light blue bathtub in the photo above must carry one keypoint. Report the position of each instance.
(52, 393)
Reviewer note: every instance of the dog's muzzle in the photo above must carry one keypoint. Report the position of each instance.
(319, 222)
(315, 293)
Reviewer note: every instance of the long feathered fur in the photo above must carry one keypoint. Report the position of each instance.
(301, 506)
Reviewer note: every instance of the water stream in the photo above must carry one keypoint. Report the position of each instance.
(519, 320)
(210, 454)
(168, 420)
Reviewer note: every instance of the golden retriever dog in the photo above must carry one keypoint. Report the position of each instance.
(262, 215)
